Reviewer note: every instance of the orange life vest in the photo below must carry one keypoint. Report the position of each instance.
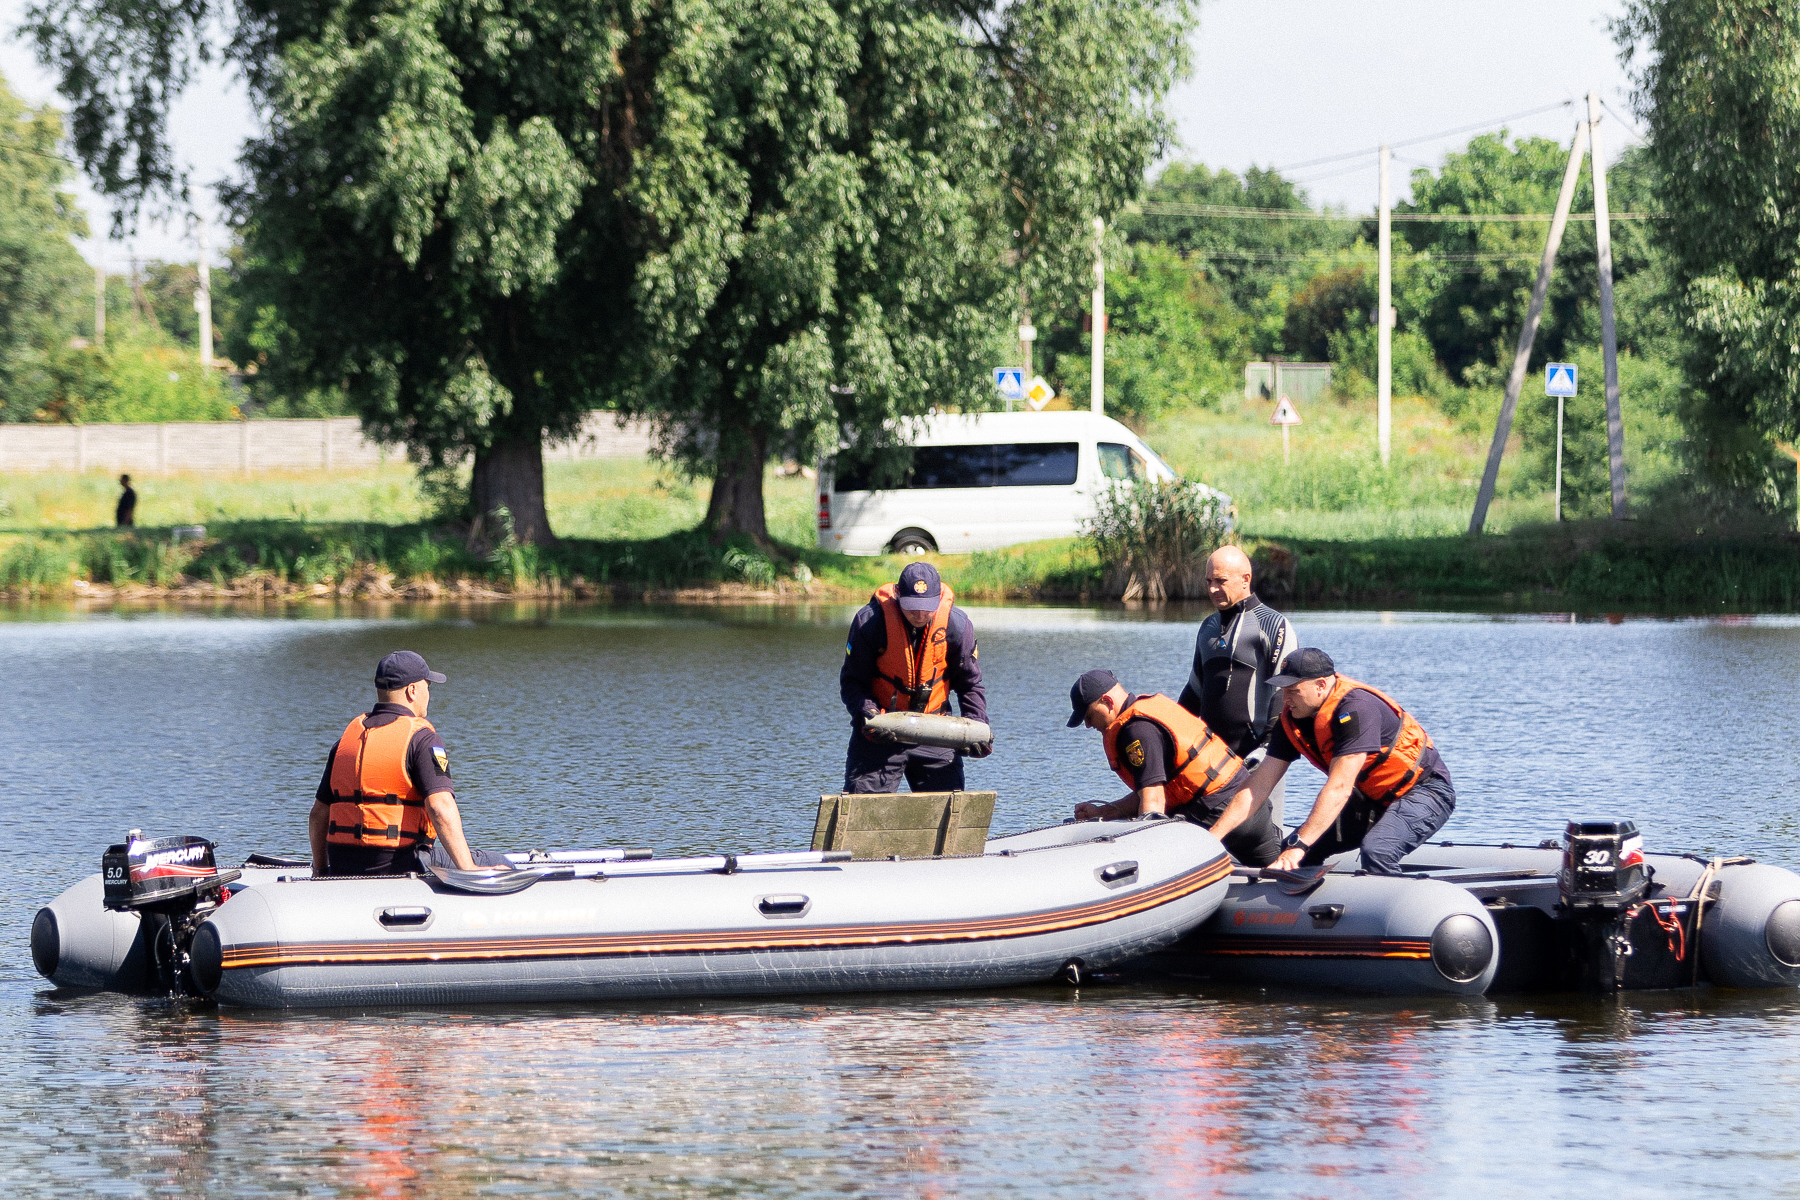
(1386, 775)
(1204, 763)
(374, 801)
(905, 682)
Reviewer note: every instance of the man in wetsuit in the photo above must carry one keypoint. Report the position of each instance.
(1240, 647)
(1173, 764)
(387, 801)
(1386, 790)
(909, 649)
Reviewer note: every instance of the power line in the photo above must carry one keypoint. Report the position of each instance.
(1629, 127)
(1159, 208)
(1489, 124)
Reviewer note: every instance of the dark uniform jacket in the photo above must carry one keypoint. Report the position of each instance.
(1235, 654)
(868, 638)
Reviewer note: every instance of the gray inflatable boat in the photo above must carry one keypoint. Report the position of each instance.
(599, 925)
(1591, 912)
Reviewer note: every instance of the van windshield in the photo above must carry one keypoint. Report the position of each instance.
(1020, 464)
(1119, 461)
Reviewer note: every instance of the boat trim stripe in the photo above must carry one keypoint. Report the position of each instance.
(265, 954)
(1316, 947)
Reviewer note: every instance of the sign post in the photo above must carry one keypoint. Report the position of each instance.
(1559, 381)
(1285, 415)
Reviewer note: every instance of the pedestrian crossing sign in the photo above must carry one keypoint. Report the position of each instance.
(1559, 379)
(1285, 413)
(1010, 381)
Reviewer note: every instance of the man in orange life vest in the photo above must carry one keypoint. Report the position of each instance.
(1174, 765)
(1386, 790)
(909, 648)
(387, 794)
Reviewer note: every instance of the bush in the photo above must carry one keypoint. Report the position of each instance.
(1153, 538)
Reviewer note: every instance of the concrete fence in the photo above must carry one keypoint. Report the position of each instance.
(247, 447)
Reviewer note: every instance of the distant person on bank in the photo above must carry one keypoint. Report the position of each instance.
(1387, 790)
(909, 649)
(125, 516)
(1174, 765)
(387, 802)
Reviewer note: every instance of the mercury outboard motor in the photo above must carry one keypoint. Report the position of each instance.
(173, 884)
(1602, 879)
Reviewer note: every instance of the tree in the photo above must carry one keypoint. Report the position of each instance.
(482, 220)
(42, 278)
(1470, 284)
(1717, 84)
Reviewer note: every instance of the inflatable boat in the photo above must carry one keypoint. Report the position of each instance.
(615, 924)
(1588, 912)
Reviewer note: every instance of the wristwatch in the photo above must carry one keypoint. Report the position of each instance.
(1292, 842)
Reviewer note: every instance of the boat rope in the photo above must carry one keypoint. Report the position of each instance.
(1697, 897)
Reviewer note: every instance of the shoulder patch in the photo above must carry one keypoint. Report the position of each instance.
(1134, 753)
(848, 650)
(1345, 717)
(441, 757)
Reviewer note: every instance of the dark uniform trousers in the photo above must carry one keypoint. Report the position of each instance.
(1255, 843)
(1387, 833)
(879, 767)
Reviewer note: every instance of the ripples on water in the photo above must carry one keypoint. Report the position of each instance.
(700, 730)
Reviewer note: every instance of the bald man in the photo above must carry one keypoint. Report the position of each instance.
(1239, 649)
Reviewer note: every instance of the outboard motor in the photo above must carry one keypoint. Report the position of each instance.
(173, 884)
(1602, 880)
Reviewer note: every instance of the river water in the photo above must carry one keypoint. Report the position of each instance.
(696, 729)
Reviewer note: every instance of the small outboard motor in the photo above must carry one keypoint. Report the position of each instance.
(1604, 881)
(173, 884)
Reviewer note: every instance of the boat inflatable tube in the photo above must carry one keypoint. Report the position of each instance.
(1053, 903)
(931, 729)
(1353, 932)
(77, 943)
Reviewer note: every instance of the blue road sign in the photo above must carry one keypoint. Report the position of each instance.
(1559, 379)
(1010, 381)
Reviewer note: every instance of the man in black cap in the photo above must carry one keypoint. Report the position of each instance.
(1174, 764)
(1386, 790)
(387, 799)
(909, 649)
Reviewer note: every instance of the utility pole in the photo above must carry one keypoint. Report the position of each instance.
(1097, 371)
(100, 303)
(203, 302)
(1384, 301)
(1609, 339)
(1559, 421)
(1522, 356)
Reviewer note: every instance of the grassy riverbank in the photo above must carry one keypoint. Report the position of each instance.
(1333, 528)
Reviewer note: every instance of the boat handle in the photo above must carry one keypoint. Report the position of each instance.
(1324, 916)
(1117, 874)
(414, 917)
(791, 905)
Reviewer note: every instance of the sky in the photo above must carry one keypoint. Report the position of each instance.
(1276, 83)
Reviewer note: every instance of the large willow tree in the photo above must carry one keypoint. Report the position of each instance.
(768, 225)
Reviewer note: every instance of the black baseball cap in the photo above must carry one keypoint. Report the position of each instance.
(1303, 664)
(919, 587)
(1089, 688)
(402, 667)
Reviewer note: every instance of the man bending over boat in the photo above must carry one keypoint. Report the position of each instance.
(1386, 790)
(387, 798)
(1173, 764)
(909, 649)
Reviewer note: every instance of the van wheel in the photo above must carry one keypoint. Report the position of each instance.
(912, 543)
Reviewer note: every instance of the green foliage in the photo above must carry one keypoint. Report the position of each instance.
(1471, 308)
(1173, 339)
(42, 278)
(141, 379)
(1152, 538)
(36, 564)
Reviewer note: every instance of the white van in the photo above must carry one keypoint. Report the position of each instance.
(984, 480)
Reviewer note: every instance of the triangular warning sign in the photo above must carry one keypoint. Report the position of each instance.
(1285, 413)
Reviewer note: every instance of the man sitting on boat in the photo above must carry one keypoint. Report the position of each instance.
(1173, 764)
(387, 798)
(909, 648)
(1386, 790)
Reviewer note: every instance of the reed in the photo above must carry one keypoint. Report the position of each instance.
(1152, 539)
